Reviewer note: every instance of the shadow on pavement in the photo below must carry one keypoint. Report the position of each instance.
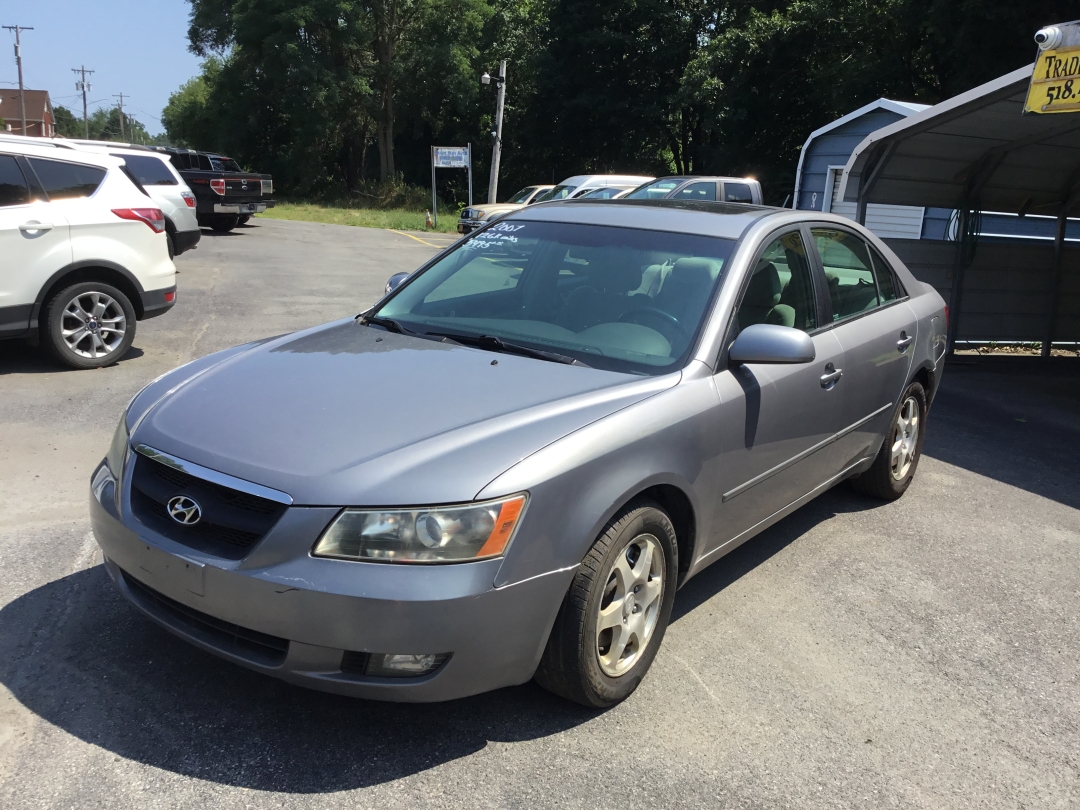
(76, 654)
(1013, 419)
(19, 357)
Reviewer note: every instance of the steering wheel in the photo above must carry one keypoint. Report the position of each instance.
(659, 314)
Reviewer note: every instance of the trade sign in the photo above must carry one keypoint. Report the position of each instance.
(1055, 83)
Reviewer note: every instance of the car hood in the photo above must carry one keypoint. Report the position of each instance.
(346, 414)
(495, 208)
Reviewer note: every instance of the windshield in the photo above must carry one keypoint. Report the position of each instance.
(656, 190)
(557, 193)
(522, 195)
(613, 298)
(224, 164)
(606, 193)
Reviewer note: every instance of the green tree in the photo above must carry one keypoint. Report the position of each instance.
(66, 124)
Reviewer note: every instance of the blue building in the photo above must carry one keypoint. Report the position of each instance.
(826, 152)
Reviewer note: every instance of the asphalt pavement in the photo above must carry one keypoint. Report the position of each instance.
(919, 654)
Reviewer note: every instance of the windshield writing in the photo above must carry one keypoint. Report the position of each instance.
(615, 298)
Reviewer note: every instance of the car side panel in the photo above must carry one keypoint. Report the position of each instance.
(28, 258)
(578, 483)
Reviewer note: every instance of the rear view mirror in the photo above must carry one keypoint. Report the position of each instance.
(395, 282)
(770, 343)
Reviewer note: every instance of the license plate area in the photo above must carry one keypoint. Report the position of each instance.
(162, 566)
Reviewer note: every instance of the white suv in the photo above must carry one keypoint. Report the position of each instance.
(161, 182)
(83, 252)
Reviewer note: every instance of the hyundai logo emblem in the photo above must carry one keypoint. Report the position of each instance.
(184, 510)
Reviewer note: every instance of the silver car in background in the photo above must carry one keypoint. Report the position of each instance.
(506, 468)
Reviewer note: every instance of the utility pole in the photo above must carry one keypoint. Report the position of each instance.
(121, 106)
(496, 147)
(85, 87)
(18, 29)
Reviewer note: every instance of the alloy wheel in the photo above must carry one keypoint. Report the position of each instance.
(905, 439)
(630, 604)
(93, 324)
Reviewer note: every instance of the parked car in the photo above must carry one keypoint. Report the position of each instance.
(604, 193)
(476, 216)
(508, 465)
(582, 183)
(225, 195)
(84, 252)
(162, 183)
(702, 189)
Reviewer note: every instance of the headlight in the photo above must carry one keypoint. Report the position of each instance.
(118, 448)
(428, 535)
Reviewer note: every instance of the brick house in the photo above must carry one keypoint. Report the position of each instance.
(39, 114)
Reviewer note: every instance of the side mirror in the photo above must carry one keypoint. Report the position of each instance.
(395, 281)
(769, 343)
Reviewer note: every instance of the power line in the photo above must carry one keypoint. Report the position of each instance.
(18, 29)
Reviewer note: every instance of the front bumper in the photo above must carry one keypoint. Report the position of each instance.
(239, 208)
(298, 616)
(469, 225)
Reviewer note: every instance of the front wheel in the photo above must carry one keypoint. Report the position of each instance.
(894, 467)
(89, 325)
(614, 616)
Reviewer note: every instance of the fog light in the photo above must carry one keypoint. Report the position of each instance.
(392, 665)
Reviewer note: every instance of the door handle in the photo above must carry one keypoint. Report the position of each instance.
(904, 341)
(35, 226)
(831, 375)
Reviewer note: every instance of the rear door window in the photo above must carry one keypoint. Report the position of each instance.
(697, 191)
(13, 189)
(151, 171)
(64, 181)
(889, 287)
(738, 192)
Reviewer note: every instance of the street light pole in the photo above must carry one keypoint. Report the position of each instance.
(496, 147)
(18, 29)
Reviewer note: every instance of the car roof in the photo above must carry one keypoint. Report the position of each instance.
(727, 220)
(47, 148)
(682, 177)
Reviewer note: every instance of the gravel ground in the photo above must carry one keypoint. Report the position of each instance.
(918, 654)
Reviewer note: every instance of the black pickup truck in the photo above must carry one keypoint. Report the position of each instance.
(225, 195)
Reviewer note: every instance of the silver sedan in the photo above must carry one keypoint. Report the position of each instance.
(507, 467)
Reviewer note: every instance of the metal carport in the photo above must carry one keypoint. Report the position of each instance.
(977, 152)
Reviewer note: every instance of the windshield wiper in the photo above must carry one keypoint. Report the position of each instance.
(497, 344)
(389, 324)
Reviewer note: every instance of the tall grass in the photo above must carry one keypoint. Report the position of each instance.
(399, 219)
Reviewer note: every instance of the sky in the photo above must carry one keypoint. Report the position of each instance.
(135, 48)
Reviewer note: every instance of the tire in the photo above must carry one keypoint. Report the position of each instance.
(243, 219)
(583, 664)
(95, 346)
(172, 244)
(224, 224)
(890, 475)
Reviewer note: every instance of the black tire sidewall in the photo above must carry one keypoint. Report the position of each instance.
(602, 689)
(53, 325)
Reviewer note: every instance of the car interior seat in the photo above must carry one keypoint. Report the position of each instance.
(685, 293)
(761, 304)
(610, 276)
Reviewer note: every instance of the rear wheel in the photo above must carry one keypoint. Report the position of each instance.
(243, 219)
(224, 224)
(89, 325)
(894, 467)
(614, 616)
